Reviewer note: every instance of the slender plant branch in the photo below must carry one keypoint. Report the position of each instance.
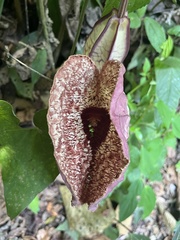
(122, 8)
(136, 88)
(83, 10)
(41, 6)
(117, 221)
(23, 64)
(18, 10)
(27, 19)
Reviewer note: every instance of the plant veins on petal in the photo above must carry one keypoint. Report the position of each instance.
(87, 147)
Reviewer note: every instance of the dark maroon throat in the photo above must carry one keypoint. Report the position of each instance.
(96, 122)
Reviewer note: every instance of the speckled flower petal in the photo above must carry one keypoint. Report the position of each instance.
(85, 131)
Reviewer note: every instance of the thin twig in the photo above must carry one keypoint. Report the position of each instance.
(18, 10)
(23, 64)
(129, 230)
(27, 18)
(83, 10)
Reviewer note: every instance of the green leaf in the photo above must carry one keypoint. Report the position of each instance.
(141, 11)
(63, 226)
(176, 125)
(168, 81)
(165, 112)
(176, 52)
(100, 4)
(26, 159)
(133, 172)
(135, 17)
(132, 5)
(55, 16)
(146, 66)
(34, 205)
(39, 65)
(128, 201)
(152, 158)
(135, 21)
(24, 89)
(170, 140)
(111, 232)
(137, 237)
(1, 6)
(32, 38)
(155, 33)
(177, 234)
(138, 57)
(174, 31)
(73, 234)
(167, 47)
(137, 215)
(147, 201)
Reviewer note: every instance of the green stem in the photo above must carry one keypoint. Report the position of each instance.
(41, 7)
(27, 18)
(122, 8)
(18, 10)
(79, 26)
(136, 88)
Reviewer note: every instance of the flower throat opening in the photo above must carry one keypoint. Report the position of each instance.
(96, 122)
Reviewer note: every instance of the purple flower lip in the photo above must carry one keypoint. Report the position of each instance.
(88, 122)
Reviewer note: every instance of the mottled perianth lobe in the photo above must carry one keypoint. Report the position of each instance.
(87, 147)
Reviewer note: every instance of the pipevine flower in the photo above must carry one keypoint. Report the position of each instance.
(88, 123)
(88, 115)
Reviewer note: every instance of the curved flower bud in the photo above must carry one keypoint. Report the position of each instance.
(109, 39)
(88, 131)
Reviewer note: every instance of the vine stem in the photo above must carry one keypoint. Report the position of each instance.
(122, 8)
(27, 18)
(79, 26)
(136, 88)
(117, 221)
(18, 11)
(42, 13)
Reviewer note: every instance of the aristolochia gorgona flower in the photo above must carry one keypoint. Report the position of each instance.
(88, 122)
